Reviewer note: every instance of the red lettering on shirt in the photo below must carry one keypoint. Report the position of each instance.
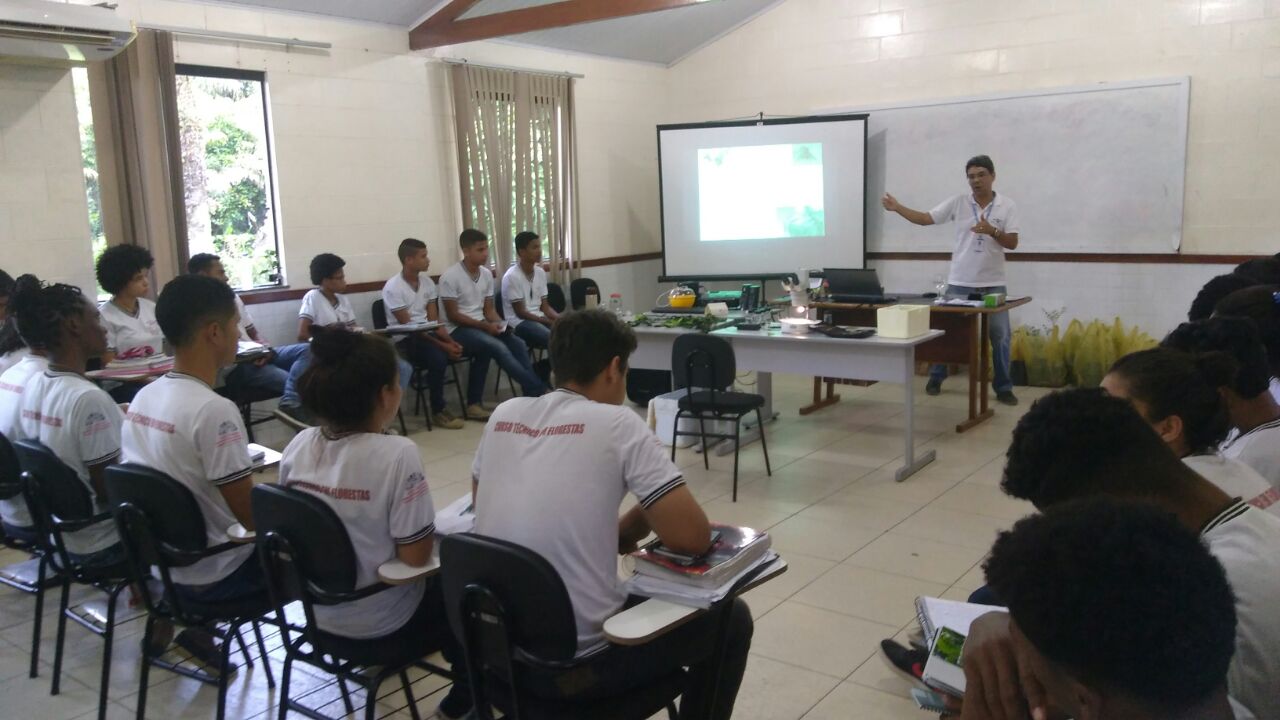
(549, 431)
(152, 423)
(357, 494)
(42, 418)
(11, 388)
(1266, 499)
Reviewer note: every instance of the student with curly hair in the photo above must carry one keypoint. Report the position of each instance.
(129, 317)
(1214, 291)
(1178, 394)
(1115, 612)
(12, 349)
(1261, 304)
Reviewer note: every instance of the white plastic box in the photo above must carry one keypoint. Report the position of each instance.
(902, 321)
(664, 411)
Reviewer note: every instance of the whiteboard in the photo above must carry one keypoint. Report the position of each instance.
(1093, 169)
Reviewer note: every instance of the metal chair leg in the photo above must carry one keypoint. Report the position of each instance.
(408, 694)
(262, 648)
(61, 637)
(702, 430)
(145, 671)
(107, 638)
(737, 448)
(35, 631)
(346, 696)
(764, 445)
(284, 686)
(457, 385)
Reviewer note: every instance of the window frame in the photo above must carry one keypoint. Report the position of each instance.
(273, 190)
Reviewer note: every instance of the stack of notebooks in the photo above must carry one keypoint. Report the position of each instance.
(701, 580)
(248, 350)
(946, 624)
(136, 366)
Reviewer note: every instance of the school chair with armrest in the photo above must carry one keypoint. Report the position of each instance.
(704, 365)
(59, 504)
(308, 557)
(555, 297)
(578, 290)
(512, 611)
(418, 381)
(162, 527)
(31, 577)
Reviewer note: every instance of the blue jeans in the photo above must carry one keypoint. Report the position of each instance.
(534, 334)
(275, 375)
(290, 396)
(509, 351)
(1001, 334)
(426, 354)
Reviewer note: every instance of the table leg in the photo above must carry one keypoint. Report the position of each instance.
(984, 338)
(911, 464)
(818, 401)
(979, 412)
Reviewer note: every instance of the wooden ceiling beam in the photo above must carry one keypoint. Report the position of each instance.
(444, 27)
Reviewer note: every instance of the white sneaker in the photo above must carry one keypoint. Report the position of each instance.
(475, 412)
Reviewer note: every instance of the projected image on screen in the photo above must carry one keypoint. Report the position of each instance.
(761, 191)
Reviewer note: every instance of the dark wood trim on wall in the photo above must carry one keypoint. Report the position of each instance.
(270, 295)
(1125, 258)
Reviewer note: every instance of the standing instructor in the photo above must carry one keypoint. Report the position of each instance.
(986, 227)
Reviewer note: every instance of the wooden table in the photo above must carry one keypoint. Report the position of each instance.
(965, 343)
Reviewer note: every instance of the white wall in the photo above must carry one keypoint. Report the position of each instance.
(44, 219)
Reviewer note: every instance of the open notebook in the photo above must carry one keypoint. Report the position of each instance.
(946, 624)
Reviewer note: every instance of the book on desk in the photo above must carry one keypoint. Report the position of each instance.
(701, 580)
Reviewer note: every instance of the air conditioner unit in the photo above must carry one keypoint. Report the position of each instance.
(56, 31)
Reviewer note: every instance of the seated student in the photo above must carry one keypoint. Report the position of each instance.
(276, 374)
(1214, 291)
(1078, 444)
(12, 349)
(324, 306)
(1265, 271)
(17, 367)
(1178, 394)
(466, 289)
(179, 426)
(410, 296)
(1258, 303)
(1254, 412)
(524, 294)
(62, 409)
(1116, 612)
(376, 485)
(563, 504)
(129, 317)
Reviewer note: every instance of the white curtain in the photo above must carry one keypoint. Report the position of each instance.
(517, 161)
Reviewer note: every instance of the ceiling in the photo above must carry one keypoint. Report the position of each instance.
(658, 37)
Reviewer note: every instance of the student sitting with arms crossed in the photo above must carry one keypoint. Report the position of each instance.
(179, 426)
(1255, 414)
(466, 290)
(376, 485)
(1177, 394)
(277, 373)
(563, 504)
(62, 409)
(1080, 444)
(410, 297)
(524, 294)
(324, 306)
(1116, 612)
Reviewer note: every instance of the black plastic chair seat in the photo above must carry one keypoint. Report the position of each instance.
(246, 395)
(732, 403)
(368, 651)
(247, 607)
(94, 573)
(638, 704)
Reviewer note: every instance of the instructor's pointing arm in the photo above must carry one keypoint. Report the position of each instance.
(915, 216)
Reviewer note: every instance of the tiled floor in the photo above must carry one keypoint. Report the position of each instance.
(860, 548)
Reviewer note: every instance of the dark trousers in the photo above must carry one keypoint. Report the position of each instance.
(984, 596)
(426, 354)
(713, 677)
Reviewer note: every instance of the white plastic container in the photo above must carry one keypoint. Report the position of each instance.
(902, 321)
(664, 413)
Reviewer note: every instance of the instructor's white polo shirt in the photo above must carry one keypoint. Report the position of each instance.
(977, 260)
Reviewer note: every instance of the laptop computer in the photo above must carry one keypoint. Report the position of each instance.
(853, 285)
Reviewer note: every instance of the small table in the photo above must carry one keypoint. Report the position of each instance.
(965, 343)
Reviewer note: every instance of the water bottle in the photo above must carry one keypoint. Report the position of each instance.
(615, 304)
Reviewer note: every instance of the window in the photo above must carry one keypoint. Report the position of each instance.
(89, 163)
(227, 172)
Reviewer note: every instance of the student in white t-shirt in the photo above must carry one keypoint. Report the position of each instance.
(12, 348)
(1079, 444)
(179, 426)
(1178, 394)
(129, 317)
(324, 306)
(1255, 414)
(466, 292)
(13, 383)
(276, 374)
(410, 297)
(376, 485)
(62, 409)
(524, 294)
(550, 474)
(986, 227)
(1115, 612)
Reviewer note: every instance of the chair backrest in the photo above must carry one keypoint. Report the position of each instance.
(555, 296)
(59, 490)
(171, 509)
(322, 548)
(578, 292)
(10, 471)
(702, 361)
(379, 314)
(497, 300)
(538, 617)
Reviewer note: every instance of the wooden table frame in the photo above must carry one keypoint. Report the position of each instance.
(965, 343)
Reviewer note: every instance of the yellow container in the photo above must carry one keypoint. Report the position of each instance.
(683, 301)
(902, 321)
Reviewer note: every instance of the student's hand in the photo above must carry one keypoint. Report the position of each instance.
(993, 687)
(495, 328)
(890, 203)
(984, 228)
(454, 351)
